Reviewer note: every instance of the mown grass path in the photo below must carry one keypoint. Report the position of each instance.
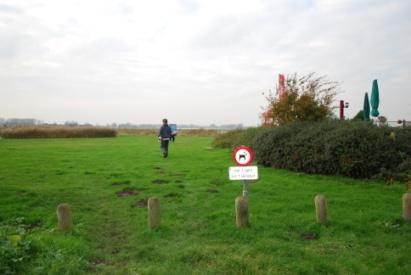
(198, 235)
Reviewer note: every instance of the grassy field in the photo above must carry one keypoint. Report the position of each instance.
(365, 234)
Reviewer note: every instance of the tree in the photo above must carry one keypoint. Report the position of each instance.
(307, 98)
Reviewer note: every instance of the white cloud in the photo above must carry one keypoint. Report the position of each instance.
(194, 61)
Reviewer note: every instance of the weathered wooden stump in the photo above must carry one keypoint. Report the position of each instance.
(241, 211)
(153, 206)
(64, 216)
(406, 206)
(321, 209)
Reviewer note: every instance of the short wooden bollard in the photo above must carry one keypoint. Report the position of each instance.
(241, 211)
(406, 206)
(321, 209)
(64, 216)
(153, 206)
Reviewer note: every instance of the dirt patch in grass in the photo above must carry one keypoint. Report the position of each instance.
(97, 261)
(172, 195)
(33, 226)
(211, 190)
(123, 182)
(394, 224)
(115, 175)
(159, 170)
(127, 192)
(115, 250)
(309, 236)
(22, 192)
(159, 181)
(217, 182)
(179, 174)
(141, 203)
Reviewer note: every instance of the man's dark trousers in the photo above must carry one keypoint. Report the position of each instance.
(164, 147)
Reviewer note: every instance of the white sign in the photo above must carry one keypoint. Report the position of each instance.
(243, 172)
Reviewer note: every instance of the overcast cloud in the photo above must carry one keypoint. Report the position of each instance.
(193, 61)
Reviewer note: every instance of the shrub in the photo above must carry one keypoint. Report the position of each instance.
(235, 138)
(227, 139)
(248, 136)
(57, 132)
(402, 137)
(355, 149)
(270, 145)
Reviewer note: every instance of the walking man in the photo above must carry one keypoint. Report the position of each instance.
(164, 135)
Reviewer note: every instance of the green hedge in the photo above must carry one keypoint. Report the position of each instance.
(354, 149)
(402, 137)
(235, 138)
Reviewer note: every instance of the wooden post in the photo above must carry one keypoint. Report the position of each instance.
(321, 209)
(64, 216)
(406, 206)
(241, 211)
(153, 206)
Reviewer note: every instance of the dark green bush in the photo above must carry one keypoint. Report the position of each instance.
(270, 145)
(354, 149)
(248, 136)
(402, 137)
(235, 138)
(227, 139)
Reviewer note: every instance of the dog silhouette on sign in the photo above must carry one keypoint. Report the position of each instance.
(242, 156)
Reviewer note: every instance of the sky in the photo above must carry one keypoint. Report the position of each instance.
(192, 61)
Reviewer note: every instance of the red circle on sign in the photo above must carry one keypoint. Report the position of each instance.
(237, 157)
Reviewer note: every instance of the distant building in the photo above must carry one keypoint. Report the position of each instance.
(18, 122)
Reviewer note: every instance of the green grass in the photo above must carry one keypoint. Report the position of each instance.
(198, 234)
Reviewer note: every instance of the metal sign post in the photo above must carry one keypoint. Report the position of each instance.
(245, 188)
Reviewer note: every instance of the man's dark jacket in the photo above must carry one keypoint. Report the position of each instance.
(165, 132)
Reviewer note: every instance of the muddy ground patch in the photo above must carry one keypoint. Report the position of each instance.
(141, 203)
(126, 192)
(159, 181)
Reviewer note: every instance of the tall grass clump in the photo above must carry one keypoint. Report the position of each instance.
(137, 132)
(354, 149)
(57, 132)
(180, 132)
(199, 132)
